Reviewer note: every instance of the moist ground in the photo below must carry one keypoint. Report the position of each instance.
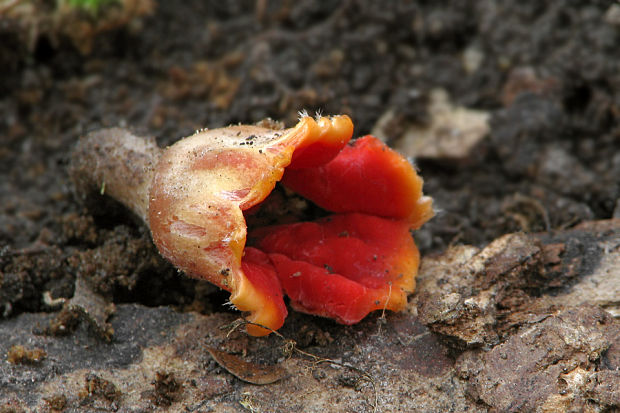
(546, 72)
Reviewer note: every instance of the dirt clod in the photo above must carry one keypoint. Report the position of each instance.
(21, 355)
(99, 393)
(56, 403)
(167, 389)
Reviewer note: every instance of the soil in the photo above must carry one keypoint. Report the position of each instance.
(547, 74)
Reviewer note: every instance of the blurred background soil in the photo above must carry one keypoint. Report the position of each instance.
(510, 110)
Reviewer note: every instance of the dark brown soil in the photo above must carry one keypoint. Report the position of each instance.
(548, 73)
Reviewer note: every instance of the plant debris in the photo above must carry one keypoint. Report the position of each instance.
(246, 371)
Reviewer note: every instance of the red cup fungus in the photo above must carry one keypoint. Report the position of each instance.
(357, 258)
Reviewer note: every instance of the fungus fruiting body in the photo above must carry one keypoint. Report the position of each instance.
(359, 256)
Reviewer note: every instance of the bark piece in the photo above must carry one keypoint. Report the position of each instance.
(551, 365)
